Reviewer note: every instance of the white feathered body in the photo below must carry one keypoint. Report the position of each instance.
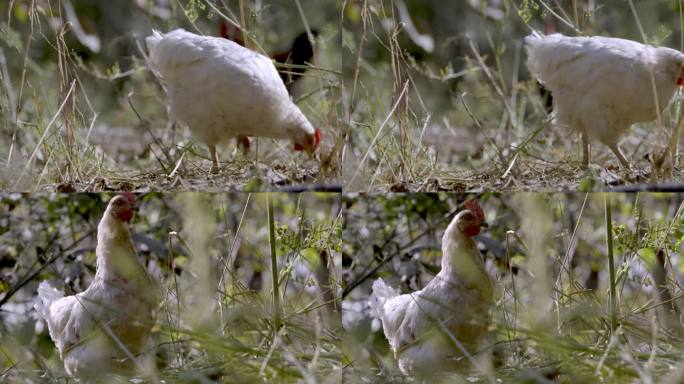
(221, 89)
(602, 85)
(119, 303)
(455, 303)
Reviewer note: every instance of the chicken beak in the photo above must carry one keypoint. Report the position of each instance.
(484, 225)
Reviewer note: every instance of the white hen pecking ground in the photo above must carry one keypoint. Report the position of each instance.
(476, 121)
(94, 129)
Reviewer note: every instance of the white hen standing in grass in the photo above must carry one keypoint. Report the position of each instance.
(603, 85)
(222, 90)
(99, 330)
(427, 329)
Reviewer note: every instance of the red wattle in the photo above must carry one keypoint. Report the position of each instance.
(317, 134)
(472, 231)
(126, 216)
(298, 147)
(680, 81)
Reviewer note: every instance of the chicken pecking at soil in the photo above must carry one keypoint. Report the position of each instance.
(603, 85)
(100, 330)
(300, 53)
(222, 90)
(429, 330)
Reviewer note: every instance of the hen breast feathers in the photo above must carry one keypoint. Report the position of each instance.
(222, 90)
(601, 85)
(456, 302)
(118, 306)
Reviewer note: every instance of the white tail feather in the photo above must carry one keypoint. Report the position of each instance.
(153, 39)
(47, 295)
(381, 293)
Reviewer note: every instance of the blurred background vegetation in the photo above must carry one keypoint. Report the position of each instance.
(211, 255)
(81, 111)
(440, 98)
(547, 255)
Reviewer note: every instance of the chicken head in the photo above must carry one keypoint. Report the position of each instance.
(472, 219)
(309, 142)
(121, 207)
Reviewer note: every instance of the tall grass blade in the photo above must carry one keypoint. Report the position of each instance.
(611, 266)
(274, 264)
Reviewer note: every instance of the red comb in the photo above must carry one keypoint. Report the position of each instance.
(129, 197)
(474, 207)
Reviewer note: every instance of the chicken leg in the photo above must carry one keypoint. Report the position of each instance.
(244, 142)
(586, 150)
(214, 160)
(616, 150)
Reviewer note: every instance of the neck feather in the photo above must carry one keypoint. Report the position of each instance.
(297, 122)
(115, 254)
(460, 256)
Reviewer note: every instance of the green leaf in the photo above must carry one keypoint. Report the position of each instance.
(648, 255)
(311, 255)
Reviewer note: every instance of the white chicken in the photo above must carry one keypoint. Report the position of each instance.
(101, 329)
(222, 90)
(602, 85)
(429, 330)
